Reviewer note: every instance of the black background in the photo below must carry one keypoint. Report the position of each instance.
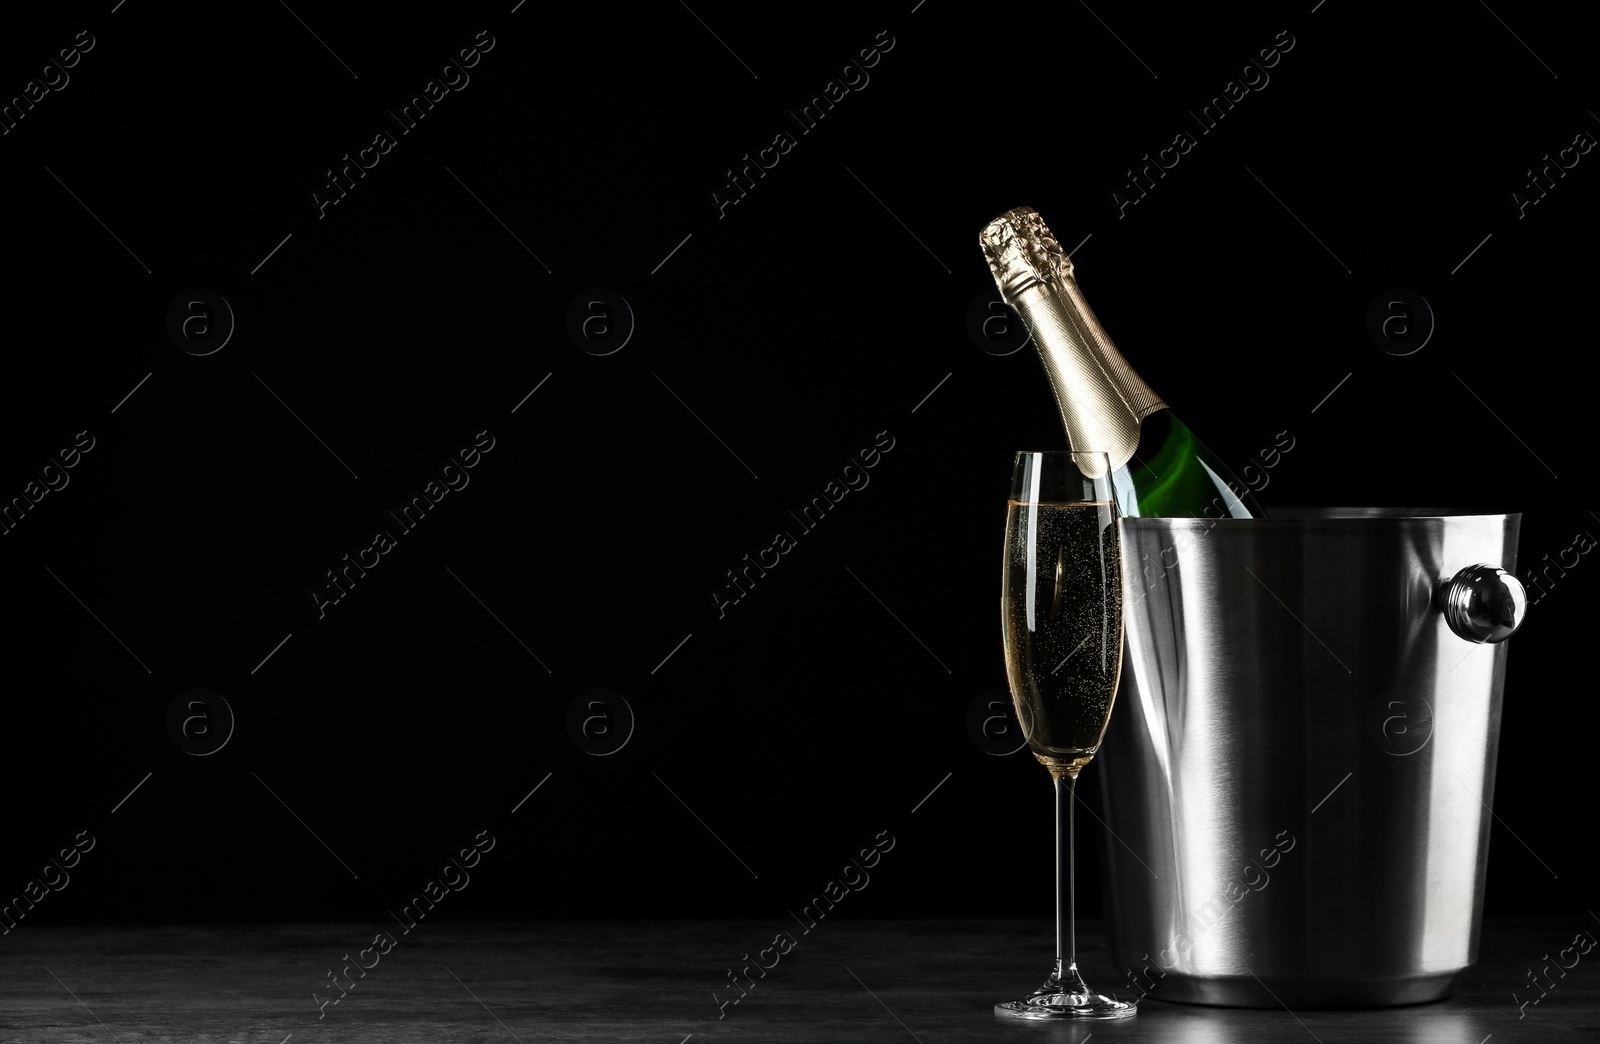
(816, 313)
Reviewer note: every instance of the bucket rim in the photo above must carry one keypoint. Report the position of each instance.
(1354, 516)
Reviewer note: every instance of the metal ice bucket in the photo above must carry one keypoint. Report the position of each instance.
(1301, 757)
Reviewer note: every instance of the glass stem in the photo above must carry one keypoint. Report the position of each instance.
(1066, 939)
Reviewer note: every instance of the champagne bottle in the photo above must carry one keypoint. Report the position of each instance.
(1159, 467)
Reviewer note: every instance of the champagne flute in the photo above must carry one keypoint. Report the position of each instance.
(1061, 613)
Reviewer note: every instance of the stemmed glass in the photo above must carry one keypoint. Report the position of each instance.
(1061, 611)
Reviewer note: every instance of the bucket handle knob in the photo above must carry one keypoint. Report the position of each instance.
(1483, 603)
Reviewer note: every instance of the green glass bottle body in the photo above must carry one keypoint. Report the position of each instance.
(1172, 474)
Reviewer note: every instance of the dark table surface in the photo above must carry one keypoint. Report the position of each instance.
(932, 981)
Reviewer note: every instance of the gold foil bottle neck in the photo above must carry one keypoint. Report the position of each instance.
(1101, 399)
(1022, 252)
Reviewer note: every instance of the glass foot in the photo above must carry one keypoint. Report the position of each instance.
(1068, 998)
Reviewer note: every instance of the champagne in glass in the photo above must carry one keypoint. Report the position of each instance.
(1061, 615)
(1063, 626)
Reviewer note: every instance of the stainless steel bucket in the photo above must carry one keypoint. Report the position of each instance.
(1301, 757)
